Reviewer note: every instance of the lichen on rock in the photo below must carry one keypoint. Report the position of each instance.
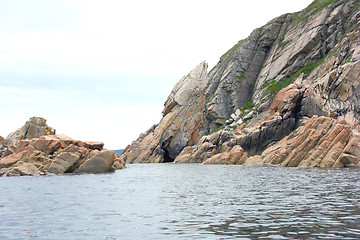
(34, 128)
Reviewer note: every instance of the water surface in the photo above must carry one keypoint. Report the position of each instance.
(184, 201)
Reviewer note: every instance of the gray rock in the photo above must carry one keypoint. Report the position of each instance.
(240, 122)
(99, 163)
(249, 115)
(34, 128)
(180, 125)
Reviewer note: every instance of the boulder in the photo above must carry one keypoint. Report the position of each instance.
(63, 162)
(254, 161)
(99, 163)
(22, 169)
(94, 145)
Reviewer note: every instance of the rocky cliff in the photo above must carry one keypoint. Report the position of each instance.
(289, 94)
(180, 124)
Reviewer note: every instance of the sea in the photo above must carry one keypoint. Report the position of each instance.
(184, 201)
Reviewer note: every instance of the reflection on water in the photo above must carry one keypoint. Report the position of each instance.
(184, 201)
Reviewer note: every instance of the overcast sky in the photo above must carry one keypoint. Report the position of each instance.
(101, 70)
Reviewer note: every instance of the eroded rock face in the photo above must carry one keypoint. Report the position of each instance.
(334, 91)
(233, 79)
(57, 154)
(322, 142)
(180, 124)
(234, 147)
(319, 142)
(272, 56)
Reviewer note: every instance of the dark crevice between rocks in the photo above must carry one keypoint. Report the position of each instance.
(165, 147)
(167, 157)
(296, 113)
(76, 165)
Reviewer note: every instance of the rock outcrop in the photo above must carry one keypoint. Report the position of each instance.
(288, 95)
(34, 128)
(57, 154)
(320, 142)
(180, 124)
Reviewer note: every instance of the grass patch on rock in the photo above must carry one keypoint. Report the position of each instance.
(274, 87)
(320, 4)
(208, 98)
(220, 128)
(248, 105)
(284, 43)
(241, 76)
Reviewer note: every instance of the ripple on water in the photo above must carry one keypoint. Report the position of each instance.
(185, 201)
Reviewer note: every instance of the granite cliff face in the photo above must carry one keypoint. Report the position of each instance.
(289, 95)
(180, 124)
(251, 73)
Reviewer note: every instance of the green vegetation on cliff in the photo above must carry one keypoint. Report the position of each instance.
(274, 87)
(320, 4)
(248, 105)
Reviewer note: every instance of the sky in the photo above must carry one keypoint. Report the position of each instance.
(101, 70)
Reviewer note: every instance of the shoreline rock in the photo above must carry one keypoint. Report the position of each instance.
(57, 154)
(183, 110)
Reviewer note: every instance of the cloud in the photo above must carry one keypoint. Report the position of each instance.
(81, 118)
(116, 126)
(102, 70)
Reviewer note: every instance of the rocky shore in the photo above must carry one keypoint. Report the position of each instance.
(35, 150)
(288, 95)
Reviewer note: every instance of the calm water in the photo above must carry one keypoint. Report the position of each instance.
(184, 201)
